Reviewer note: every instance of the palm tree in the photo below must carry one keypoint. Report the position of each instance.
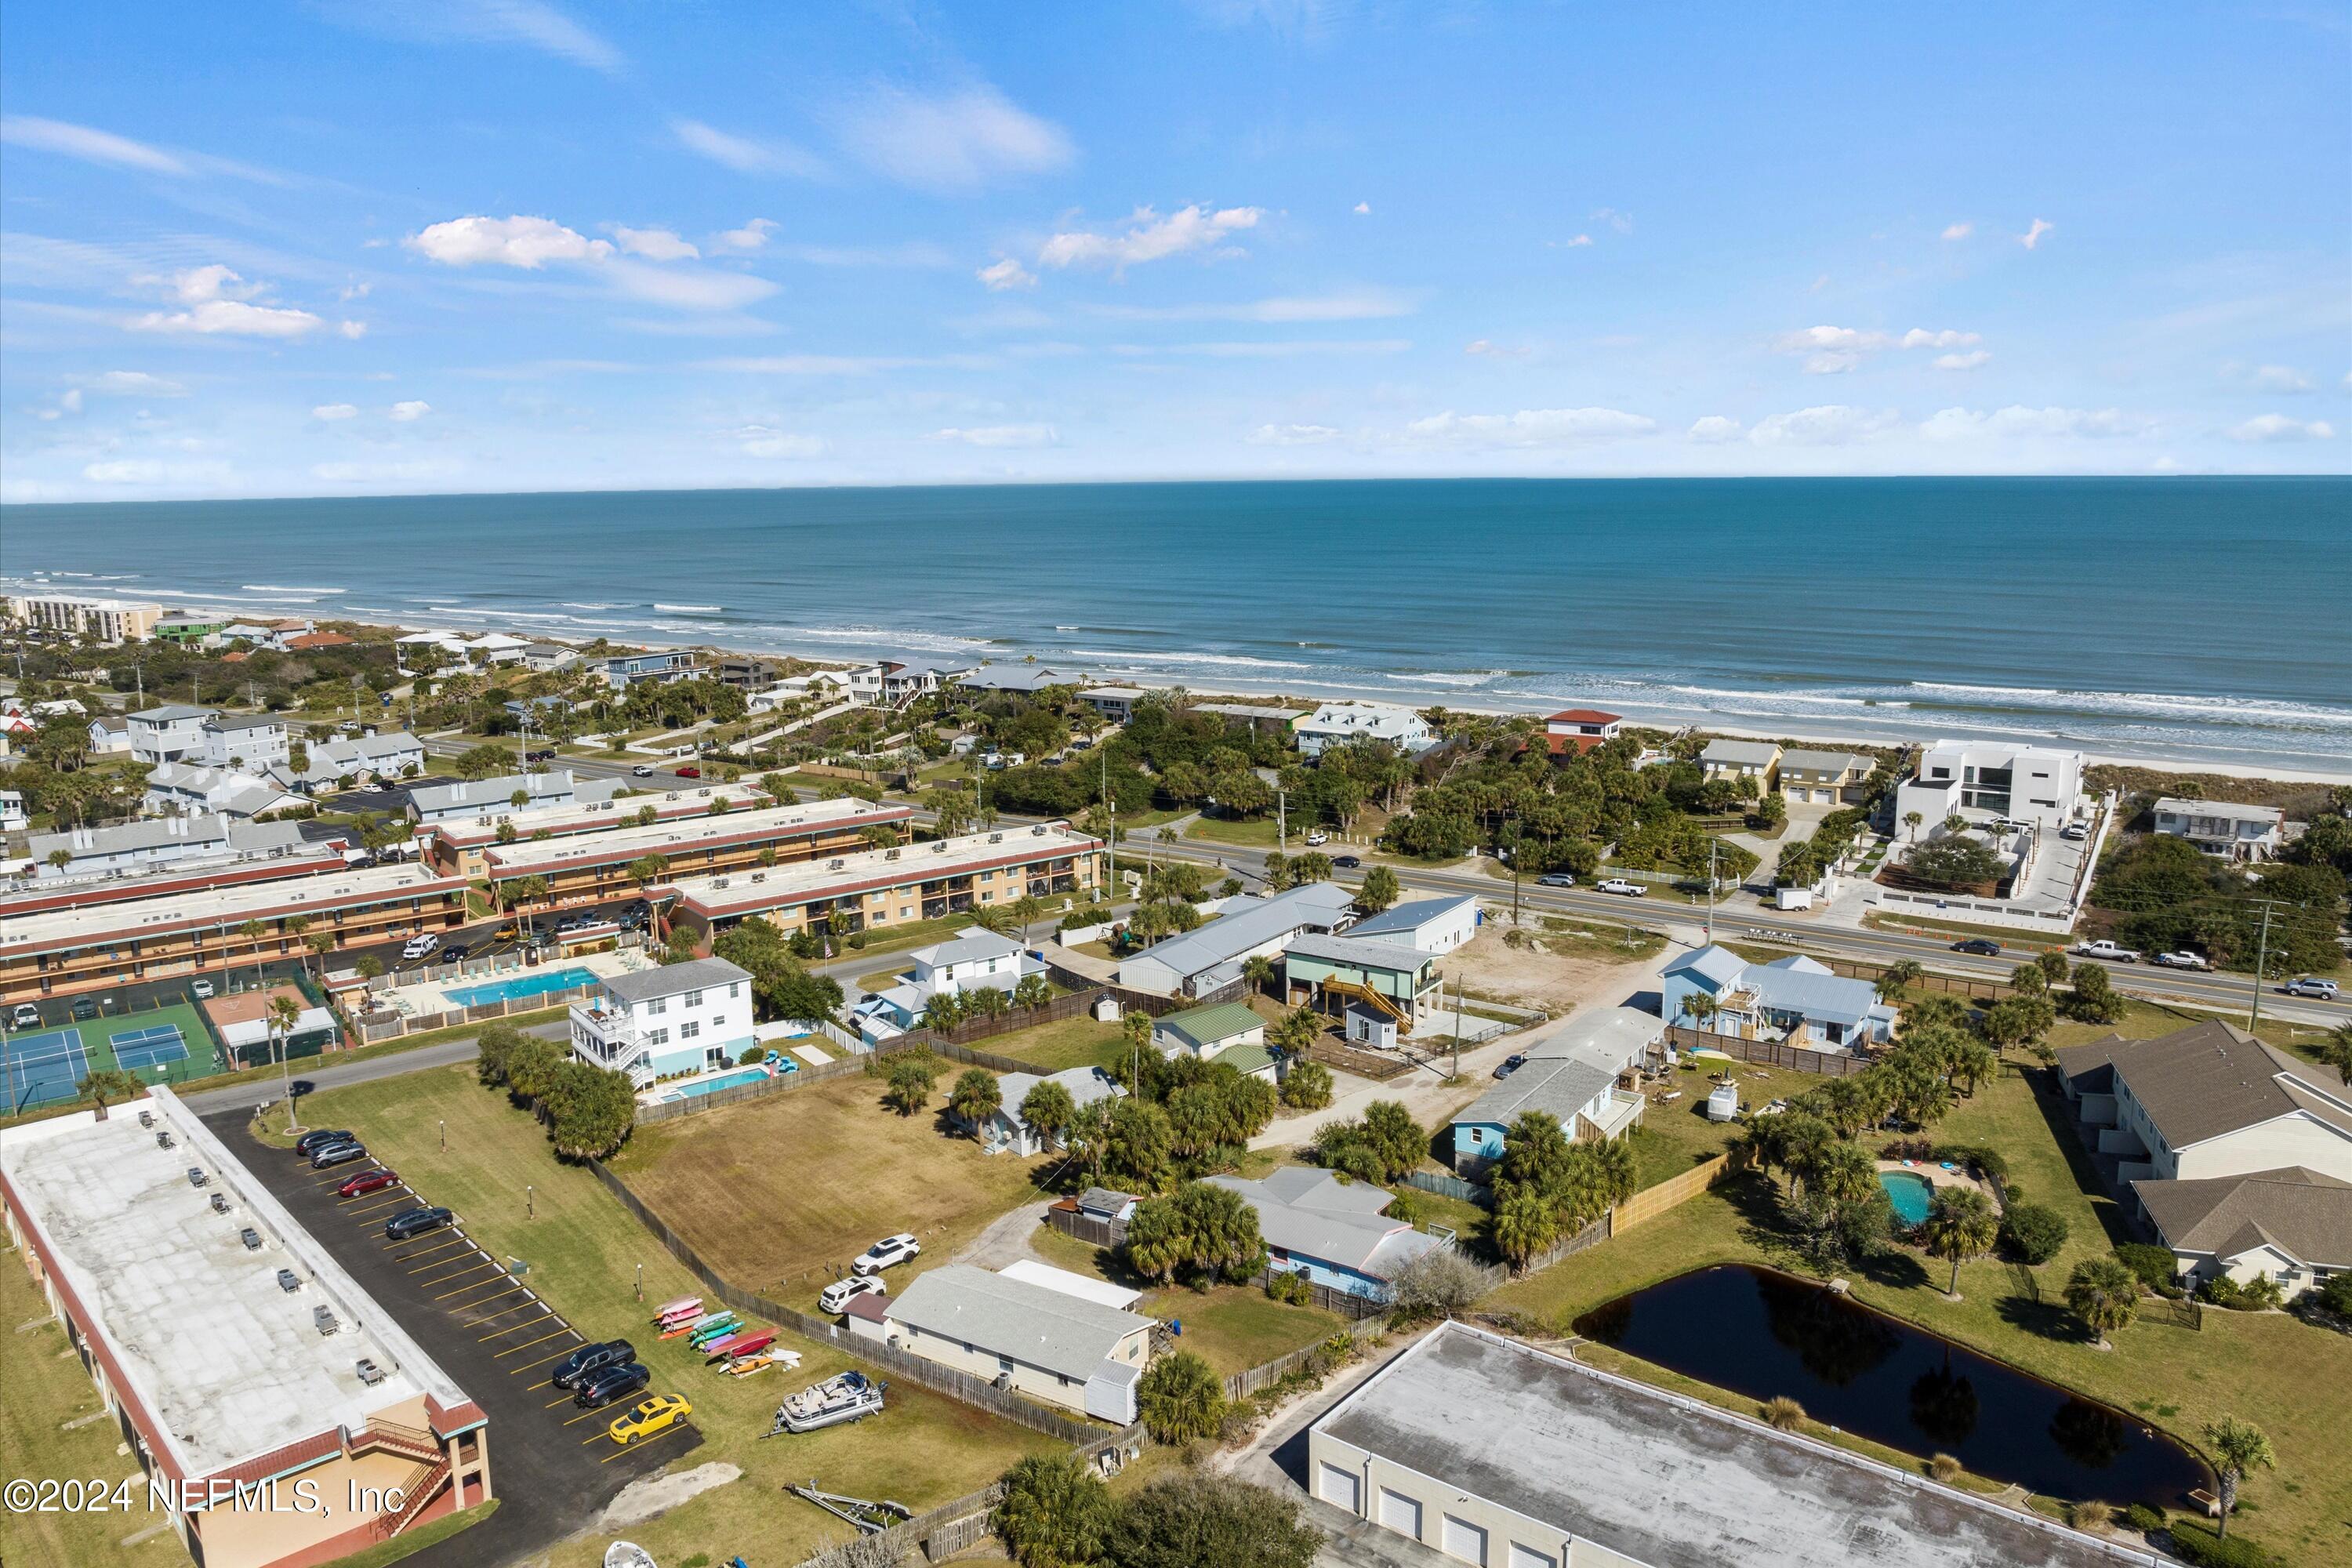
(253, 931)
(2104, 1293)
(1032, 992)
(975, 1098)
(320, 945)
(2336, 1049)
(943, 1012)
(1262, 972)
(836, 926)
(1960, 1224)
(2239, 1448)
(283, 1015)
(1025, 911)
(1973, 1063)
(1524, 1223)
(1701, 1007)
(1047, 1111)
(106, 1083)
(1899, 977)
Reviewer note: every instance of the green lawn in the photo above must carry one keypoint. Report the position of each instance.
(584, 1250)
(2294, 1380)
(1675, 1136)
(1051, 1048)
(1251, 833)
(1233, 1327)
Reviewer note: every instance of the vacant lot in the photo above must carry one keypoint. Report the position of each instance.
(1233, 1327)
(1051, 1048)
(1596, 974)
(779, 1193)
(584, 1250)
(1676, 1135)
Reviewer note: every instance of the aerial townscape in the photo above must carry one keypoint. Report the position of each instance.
(1243, 784)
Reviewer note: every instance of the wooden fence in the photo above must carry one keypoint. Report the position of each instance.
(1086, 1228)
(957, 1526)
(1242, 1385)
(1651, 1202)
(1766, 1053)
(1453, 1187)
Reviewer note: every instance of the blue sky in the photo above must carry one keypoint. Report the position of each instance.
(361, 246)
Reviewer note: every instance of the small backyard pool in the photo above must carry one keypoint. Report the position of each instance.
(1911, 1194)
(711, 1083)
(536, 984)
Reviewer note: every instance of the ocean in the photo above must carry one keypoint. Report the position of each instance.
(2196, 620)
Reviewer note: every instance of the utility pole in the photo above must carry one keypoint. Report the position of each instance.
(1710, 888)
(1111, 834)
(1281, 819)
(2261, 959)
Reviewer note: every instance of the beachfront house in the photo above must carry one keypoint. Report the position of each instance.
(1796, 1000)
(1757, 759)
(1573, 731)
(2223, 827)
(1115, 703)
(1017, 679)
(1823, 778)
(653, 1024)
(1430, 925)
(901, 680)
(666, 666)
(1007, 1132)
(1337, 723)
(1330, 1230)
(1581, 1071)
(1059, 1346)
(2206, 1101)
(1982, 781)
(2291, 1226)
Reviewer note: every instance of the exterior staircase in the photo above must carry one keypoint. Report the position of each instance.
(422, 1488)
(1371, 998)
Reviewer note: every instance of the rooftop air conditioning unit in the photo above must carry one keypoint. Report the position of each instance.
(759, 876)
(996, 839)
(835, 864)
(720, 883)
(889, 854)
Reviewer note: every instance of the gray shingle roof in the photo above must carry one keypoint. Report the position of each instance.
(2302, 1212)
(1067, 1335)
(1560, 1086)
(1254, 924)
(1739, 754)
(2213, 1078)
(671, 979)
(1312, 1213)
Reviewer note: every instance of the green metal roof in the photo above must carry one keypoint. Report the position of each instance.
(1204, 1027)
(1247, 1058)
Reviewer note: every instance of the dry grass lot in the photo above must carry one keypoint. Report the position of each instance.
(780, 1192)
(1594, 976)
(1233, 1327)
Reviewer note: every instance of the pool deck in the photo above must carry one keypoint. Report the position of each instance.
(1939, 1176)
(432, 998)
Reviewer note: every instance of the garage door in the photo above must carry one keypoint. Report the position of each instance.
(1528, 1557)
(1339, 1487)
(1401, 1513)
(1466, 1540)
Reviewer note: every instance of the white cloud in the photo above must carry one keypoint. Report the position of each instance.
(2269, 428)
(1959, 230)
(155, 471)
(958, 142)
(2064, 424)
(745, 155)
(1831, 350)
(136, 384)
(354, 330)
(1920, 337)
(1716, 428)
(1530, 427)
(655, 244)
(2281, 378)
(686, 289)
(220, 303)
(1001, 435)
(765, 441)
(410, 413)
(1291, 436)
(534, 24)
(1149, 237)
(1260, 348)
(1362, 209)
(1621, 222)
(2032, 238)
(1577, 243)
(1482, 349)
(335, 412)
(530, 243)
(1357, 305)
(351, 291)
(89, 145)
(1006, 273)
(752, 235)
(1968, 361)
(1827, 425)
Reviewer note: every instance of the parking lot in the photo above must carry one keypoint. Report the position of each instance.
(552, 1464)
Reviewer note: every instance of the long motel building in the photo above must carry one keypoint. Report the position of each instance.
(459, 842)
(277, 1416)
(880, 889)
(596, 865)
(88, 946)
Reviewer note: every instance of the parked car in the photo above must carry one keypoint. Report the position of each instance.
(1982, 947)
(689, 771)
(337, 1154)
(841, 1292)
(416, 946)
(84, 1008)
(886, 1253)
(25, 1016)
(2075, 832)
(1555, 879)
(366, 1182)
(2114, 953)
(1316, 836)
(410, 1223)
(2311, 986)
(649, 1416)
(1510, 1064)
(311, 1142)
(455, 952)
(1621, 888)
(613, 1383)
(200, 989)
(590, 1359)
(2180, 960)
(1346, 862)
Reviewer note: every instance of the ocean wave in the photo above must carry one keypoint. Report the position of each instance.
(592, 604)
(690, 609)
(2152, 704)
(283, 588)
(1214, 660)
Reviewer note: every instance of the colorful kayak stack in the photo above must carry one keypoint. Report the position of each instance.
(723, 1336)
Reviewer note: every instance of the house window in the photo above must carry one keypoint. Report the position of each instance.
(733, 988)
(657, 1037)
(694, 998)
(657, 1007)
(688, 1031)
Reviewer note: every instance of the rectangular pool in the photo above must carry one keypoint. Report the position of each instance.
(538, 984)
(711, 1083)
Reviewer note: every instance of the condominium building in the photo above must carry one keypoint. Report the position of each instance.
(252, 743)
(597, 865)
(131, 846)
(461, 843)
(105, 621)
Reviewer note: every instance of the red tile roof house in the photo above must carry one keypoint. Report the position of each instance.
(1576, 731)
(317, 639)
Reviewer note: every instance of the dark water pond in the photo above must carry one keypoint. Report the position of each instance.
(1761, 1334)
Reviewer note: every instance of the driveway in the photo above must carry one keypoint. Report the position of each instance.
(1006, 1239)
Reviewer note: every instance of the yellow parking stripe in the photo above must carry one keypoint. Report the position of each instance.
(457, 1267)
(427, 1252)
(503, 1284)
(395, 1185)
(542, 1340)
(553, 1403)
(606, 1411)
(502, 1311)
(523, 1327)
(368, 1217)
(642, 1443)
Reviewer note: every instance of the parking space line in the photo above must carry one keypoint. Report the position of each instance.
(411, 1257)
(553, 1403)
(502, 1311)
(590, 1414)
(456, 1266)
(504, 1286)
(642, 1443)
(471, 1313)
(535, 1365)
(366, 1219)
(542, 1340)
(362, 1197)
(523, 1327)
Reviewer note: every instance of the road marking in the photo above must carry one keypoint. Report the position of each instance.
(535, 1365)
(642, 1443)
(502, 1311)
(427, 1252)
(362, 1197)
(461, 1268)
(372, 1217)
(467, 1306)
(552, 1403)
(603, 1410)
(510, 1350)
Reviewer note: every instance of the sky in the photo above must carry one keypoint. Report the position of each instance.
(360, 246)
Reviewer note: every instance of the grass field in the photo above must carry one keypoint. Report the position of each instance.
(584, 1250)
(1678, 1135)
(1051, 1048)
(1233, 1327)
(780, 1192)
(2289, 1378)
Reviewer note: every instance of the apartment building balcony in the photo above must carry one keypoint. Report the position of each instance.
(604, 1037)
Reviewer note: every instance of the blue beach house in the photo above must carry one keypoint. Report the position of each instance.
(1573, 1073)
(1330, 1230)
(1792, 999)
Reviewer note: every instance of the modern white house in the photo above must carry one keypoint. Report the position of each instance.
(169, 733)
(660, 1023)
(1115, 703)
(2291, 1226)
(902, 681)
(186, 787)
(2226, 828)
(1431, 925)
(253, 742)
(2206, 1101)
(1796, 999)
(972, 959)
(1008, 1133)
(1337, 723)
(1984, 780)
(1049, 1344)
(1205, 959)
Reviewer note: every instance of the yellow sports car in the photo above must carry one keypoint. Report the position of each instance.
(648, 1417)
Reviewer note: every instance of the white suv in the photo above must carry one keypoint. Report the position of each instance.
(883, 1254)
(842, 1293)
(417, 946)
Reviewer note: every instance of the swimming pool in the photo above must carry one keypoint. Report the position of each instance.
(1911, 1194)
(711, 1083)
(535, 985)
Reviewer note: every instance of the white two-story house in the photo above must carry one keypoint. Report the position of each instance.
(2223, 827)
(250, 743)
(972, 960)
(2207, 1102)
(662, 1023)
(171, 732)
(1985, 780)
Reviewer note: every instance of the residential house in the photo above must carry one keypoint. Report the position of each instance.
(2206, 1101)
(497, 647)
(255, 633)
(2291, 1226)
(493, 796)
(1337, 723)
(169, 733)
(252, 743)
(904, 679)
(1573, 731)
(2223, 827)
(128, 846)
(187, 787)
(1006, 1130)
(1985, 780)
(658, 1023)
(1207, 1031)
(972, 959)
(1823, 778)
(188, 631)
(666, 666)
(13, 815)
(1330, 1230)
(1338, 971)
(546, 657)
(110, 735)
(1430, 925)
(1580, 1072)
(1021, 680)
(1212, 955)
(316, 642)
(1757, 759)
(279, 633)
(1115, 703)
(339, 763)
(1047, 1344)
(1254, 716)
(746, 672)
(1797, 1000)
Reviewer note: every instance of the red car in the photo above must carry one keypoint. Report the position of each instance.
(368, 1182)
(689, 771)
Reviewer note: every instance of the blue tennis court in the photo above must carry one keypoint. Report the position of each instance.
(46, 1068)
(150, 1047)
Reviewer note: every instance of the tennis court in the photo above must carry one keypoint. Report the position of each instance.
(46, 1068)
(150, 1047)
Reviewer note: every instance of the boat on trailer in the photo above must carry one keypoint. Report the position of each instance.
(870, 1517)
(852, 1397)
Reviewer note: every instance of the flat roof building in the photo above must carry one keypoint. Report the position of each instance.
(214, 1367)
(703, 842)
